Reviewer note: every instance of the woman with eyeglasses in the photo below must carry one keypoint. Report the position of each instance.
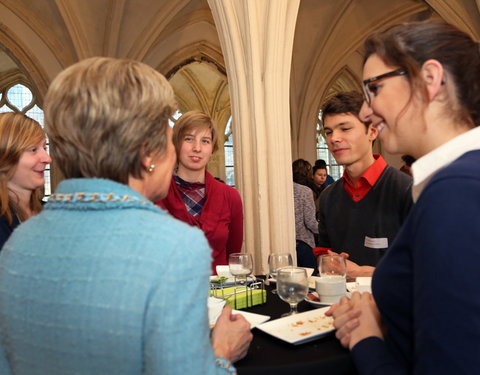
(23, 159)
(422, 87)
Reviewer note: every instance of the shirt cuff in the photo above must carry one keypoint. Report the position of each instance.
(371, 356)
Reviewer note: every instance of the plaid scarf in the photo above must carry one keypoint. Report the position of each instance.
(193, 194)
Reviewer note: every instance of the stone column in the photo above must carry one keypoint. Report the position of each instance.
(257, 39)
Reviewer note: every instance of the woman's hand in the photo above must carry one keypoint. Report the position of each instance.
(345, 320)
(369, 320)
(231, 336)
(356, 319)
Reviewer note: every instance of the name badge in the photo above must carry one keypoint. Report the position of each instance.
(376, 243)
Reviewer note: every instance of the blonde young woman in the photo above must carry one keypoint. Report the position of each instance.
(23, 159)
(195, 196)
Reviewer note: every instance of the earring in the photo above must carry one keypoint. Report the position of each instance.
(151, 168)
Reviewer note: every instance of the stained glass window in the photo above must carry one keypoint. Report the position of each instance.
(229, 161)
(333, 169)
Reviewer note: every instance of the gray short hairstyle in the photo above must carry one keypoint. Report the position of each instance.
(103, 115)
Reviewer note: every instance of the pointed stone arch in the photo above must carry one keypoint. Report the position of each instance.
(344, 80)
(199, 79)
(29, 68)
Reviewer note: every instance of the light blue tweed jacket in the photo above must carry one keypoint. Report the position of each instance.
(104, 284)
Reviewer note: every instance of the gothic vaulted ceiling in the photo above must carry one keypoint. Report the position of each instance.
(179, 38)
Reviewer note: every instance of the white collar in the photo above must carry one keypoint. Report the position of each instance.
(425, 167)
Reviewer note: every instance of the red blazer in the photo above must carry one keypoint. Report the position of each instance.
(221, 219)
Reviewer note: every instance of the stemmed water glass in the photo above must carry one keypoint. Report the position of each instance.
(292, 286)
(277, 261)
(241, 265)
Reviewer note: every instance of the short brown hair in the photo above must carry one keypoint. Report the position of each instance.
(343, 103)
(17, 133)
(193, 120)
(104, 115)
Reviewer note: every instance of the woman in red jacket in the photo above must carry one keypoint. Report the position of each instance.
(195, 196)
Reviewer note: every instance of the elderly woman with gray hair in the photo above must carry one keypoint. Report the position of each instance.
(101, 282)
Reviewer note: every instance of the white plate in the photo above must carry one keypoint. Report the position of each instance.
(253, 319)
(215, 307)
(300, 328)
(317, 303)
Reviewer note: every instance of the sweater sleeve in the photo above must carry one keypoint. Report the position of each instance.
(372, 357)
(309, 212)
(322, 239)
(235, 230)
(188, 349)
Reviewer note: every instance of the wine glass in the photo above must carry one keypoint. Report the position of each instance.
(241, 265)
(277, 261)
(292, 286)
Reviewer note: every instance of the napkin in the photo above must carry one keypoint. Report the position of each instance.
(238, 298)
(224, 271)
(215, 307)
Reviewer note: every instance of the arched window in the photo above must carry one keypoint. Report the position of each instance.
(228, 148)
(172, 121)
(333, 169)
(19, 98)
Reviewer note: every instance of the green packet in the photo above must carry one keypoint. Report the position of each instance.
(240, 298)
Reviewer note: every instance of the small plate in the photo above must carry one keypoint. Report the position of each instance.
(300, 328)
(316, 303)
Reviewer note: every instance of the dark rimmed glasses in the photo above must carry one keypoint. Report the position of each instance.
(370, 87)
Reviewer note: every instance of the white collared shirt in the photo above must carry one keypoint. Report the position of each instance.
(425, 167)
